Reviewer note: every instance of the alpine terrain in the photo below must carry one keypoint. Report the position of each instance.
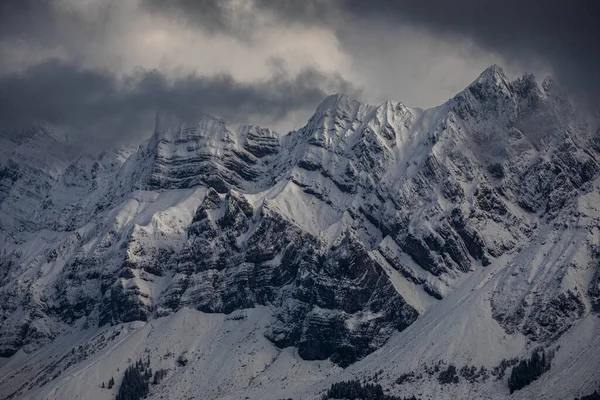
(447, 253)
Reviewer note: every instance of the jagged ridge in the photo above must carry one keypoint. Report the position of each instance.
(347, 228)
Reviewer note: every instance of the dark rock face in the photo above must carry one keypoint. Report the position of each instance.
(546, 319)
(343, 305)
(208, 154)
(335, 303)
(472, 240)
(262, 142)
(123, 304)
(12, 342)
(423, 255)
(446, 250)
(548, 185)
(555, 317)
(594, 289)
(496, 170)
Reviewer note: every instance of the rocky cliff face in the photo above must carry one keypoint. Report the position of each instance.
(347, 229)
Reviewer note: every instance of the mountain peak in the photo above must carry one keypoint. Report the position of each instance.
(492, 77)
(491, 87)
(493, 72)
(337, 101)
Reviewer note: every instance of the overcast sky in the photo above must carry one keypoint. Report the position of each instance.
(106, 66)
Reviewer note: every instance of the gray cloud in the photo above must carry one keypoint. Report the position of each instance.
(560, 33)
(16, 14)
(240, 19)
(213, 16)
(108, 108)
(557, 34)
(51, 23)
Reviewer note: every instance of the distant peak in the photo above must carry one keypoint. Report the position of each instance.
(172, 123)
(392, 105)
(166, 121)
(336, 101)
(38, 131)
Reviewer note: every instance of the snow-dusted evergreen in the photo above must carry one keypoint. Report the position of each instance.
(425, 250)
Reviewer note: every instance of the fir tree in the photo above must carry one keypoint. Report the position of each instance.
(158, 376)
(593, 396)
(528, 370)
(448, 375)
(136, 381)
(355, 390)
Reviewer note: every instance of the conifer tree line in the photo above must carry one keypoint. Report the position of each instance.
(528, 370)
(136, 381)
(354, 390)
(593, 396)
(158, 376)
(448, 375)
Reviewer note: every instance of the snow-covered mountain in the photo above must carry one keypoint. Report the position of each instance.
(381, 243)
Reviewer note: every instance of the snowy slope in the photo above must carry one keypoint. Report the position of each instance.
(374, 238)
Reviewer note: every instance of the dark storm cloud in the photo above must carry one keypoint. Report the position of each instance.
(108, 108)
(20, 17)
(42, 21)
(561, 33)
(31, 30)
(214, 16)
(227, 17)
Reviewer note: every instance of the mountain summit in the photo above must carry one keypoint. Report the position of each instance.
(429, 251)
